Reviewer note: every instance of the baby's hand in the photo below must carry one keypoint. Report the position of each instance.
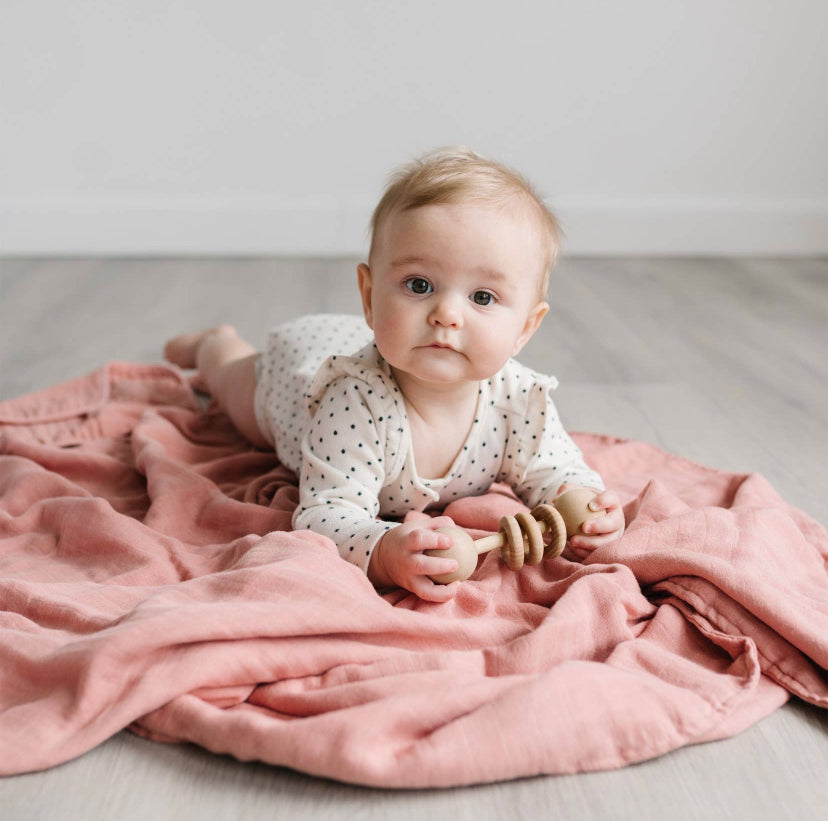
(398, 559)
(601, 530)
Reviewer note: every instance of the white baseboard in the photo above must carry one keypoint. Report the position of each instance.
(306, 228)
(695, 228)
(325, 227)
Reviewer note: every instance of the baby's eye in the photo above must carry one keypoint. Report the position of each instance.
(418, 285)
(483, 298)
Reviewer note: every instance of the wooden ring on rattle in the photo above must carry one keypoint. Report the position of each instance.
(532, 536)
(555, 526)
(512, 550)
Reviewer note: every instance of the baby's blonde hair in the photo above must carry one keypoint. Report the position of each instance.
(458, 174)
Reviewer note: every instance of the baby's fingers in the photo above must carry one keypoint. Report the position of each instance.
(427, 590)
(605, 500)
(427, 539)
(612, 521)
(586, 544)
(432, 564)
(597, 533)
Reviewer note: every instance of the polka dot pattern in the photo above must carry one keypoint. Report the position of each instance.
(344, 425)
(291, 359)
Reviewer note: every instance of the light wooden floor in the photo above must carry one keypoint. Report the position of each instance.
(722, 361)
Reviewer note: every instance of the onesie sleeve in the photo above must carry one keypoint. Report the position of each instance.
(344, 469)
(544, 457)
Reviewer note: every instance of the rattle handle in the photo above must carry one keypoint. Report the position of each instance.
(488, 543)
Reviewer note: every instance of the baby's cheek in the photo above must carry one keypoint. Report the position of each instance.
(387, 338)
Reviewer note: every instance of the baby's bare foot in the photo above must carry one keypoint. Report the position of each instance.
(183, 350)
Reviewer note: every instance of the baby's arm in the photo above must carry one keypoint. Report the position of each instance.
(343, 471)
(547, 463)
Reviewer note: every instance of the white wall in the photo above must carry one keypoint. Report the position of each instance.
(256, 126)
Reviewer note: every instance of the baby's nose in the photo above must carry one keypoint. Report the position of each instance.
(446, 311)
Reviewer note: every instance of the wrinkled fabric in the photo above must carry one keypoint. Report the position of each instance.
(149, 579)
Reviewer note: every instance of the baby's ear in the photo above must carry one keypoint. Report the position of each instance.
(533, 321)
(365, 286)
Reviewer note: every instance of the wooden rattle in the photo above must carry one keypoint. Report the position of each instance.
(520, 538)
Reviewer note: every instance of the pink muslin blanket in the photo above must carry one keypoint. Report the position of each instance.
(149, 579)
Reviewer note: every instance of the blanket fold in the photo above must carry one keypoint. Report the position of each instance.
(149, 579)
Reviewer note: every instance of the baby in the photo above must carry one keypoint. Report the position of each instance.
(420, 403)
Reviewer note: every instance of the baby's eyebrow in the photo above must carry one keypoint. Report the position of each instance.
(409, 260)
(492, 273)
(483, 271)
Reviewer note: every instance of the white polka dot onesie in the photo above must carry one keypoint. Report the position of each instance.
(339, 420)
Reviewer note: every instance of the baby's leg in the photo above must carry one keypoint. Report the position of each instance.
(227, 364)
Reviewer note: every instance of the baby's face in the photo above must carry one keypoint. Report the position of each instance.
(452, 291)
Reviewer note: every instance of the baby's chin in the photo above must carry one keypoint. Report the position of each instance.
(443, 374)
